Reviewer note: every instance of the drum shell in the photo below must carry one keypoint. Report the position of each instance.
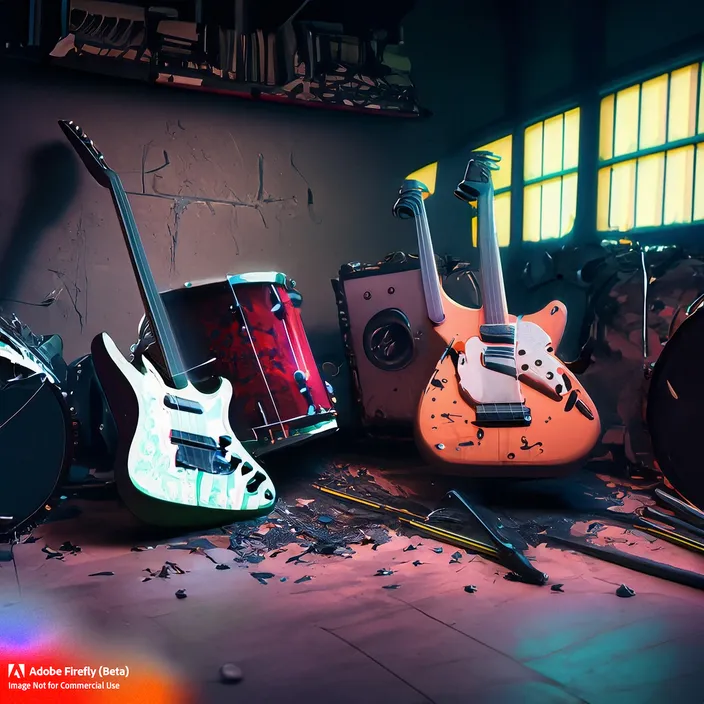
(257, 351)
(32, 410)
(675, 410)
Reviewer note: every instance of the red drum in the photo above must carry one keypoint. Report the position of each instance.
(250, 326)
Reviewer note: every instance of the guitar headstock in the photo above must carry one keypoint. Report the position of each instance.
(89, 154)
(477, 176)
(410, 199)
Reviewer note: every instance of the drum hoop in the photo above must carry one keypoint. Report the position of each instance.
(254, 277)
(14, 342)
(257, 277)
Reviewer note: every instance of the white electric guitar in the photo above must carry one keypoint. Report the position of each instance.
(178, 460)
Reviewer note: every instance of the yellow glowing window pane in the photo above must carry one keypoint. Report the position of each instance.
(606, 128)
(552, 145)
(679, 183)
(531, 213)
(701, 102)
(653, 113)
(626, 140)
(533, 154)
(552, 200)
(649, 191)
(683, 103)
(571, 155)
(502, 147)
(502, 215)
(699, 188)
(427, 175)
(569, 203)
(623, 187)
(603, 199)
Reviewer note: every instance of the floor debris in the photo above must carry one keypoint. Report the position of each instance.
(625, 591)
(557, 588)
(69, 547)
(181, 594)
(391, 586)
(52, 554)
(262, 577)
(470, 589)
(230, 674)
(102, 574)
(383, 573)
(306, 578)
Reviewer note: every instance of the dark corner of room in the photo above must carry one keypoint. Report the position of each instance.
(351, 350)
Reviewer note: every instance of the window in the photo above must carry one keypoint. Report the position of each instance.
(427, 175)
(651, 152)
(551, 156)
(502, 191)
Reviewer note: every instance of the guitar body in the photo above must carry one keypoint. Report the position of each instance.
(564, 425)
(154, 488)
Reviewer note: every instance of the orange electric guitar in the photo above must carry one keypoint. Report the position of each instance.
(499, 401)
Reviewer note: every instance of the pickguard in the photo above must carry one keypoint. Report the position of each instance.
(489, 373)
(537, 365)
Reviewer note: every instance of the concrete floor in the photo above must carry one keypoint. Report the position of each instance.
(340, 636)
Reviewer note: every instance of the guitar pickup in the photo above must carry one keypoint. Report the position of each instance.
(498, 334)
(181, 437)
(500, 359)
(177, 403)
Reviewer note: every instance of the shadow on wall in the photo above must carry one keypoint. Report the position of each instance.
(51, 185)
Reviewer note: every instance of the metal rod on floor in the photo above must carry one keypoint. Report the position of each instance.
(633, 562)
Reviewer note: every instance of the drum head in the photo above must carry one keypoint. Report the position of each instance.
(676, 410)
(34, 445)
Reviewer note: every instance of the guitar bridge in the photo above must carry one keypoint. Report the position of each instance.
(503, 415)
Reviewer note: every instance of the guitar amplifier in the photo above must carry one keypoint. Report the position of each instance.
(389, 342)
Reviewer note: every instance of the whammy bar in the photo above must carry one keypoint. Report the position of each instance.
(501, 550)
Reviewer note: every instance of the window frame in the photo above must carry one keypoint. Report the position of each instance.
(566, 107)
(650, 232)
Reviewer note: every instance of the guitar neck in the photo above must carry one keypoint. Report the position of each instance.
(492, 283)
(153, 305)
(411, 205)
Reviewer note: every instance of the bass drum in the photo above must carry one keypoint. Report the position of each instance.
(675, 411)
(35, 430)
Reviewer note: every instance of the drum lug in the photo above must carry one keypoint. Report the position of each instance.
(300, 378)
(277, 305)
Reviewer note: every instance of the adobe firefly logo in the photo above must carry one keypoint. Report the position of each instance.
(15, 670)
